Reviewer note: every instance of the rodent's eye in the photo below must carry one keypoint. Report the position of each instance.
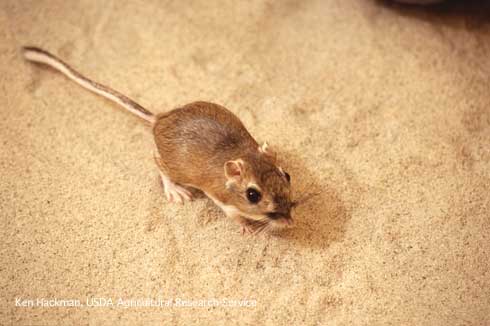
(253, 195)
(288, 177)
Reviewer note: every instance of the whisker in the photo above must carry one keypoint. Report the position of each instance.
(265, 228)
(258, 222)
(268, 227)
(262, 227)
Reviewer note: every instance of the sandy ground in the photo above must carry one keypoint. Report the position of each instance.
(383, 111)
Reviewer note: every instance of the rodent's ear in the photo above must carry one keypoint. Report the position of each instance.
(234, 170)
(266, 149)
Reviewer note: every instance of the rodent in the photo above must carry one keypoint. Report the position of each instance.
(205, 146)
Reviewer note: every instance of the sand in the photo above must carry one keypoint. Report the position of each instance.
(382, 110)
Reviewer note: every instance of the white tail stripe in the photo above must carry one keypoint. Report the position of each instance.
(41, 56)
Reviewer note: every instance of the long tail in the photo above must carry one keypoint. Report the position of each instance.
(38, 55)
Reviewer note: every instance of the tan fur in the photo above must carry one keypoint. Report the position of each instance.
(197, 140)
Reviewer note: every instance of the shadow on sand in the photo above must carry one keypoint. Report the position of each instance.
(322, 218)
(468, 14)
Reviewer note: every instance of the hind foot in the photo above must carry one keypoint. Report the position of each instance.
(174, 192)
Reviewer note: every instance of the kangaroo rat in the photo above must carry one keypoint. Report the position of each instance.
(204, 146)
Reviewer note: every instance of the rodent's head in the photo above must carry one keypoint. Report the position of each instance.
(259, 190)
